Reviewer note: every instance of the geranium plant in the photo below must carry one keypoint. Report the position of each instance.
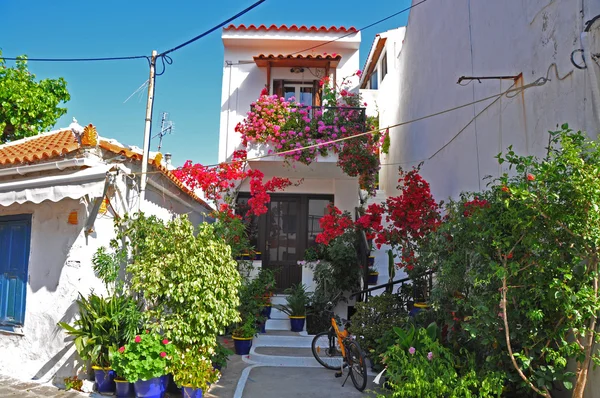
(147, 357)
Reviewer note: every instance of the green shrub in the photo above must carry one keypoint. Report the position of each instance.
(429, 370)
(374, 318)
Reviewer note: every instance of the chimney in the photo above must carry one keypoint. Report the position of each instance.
(168, 159)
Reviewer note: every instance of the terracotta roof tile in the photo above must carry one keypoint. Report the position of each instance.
(298, 56)
(46, 146)
(292, 28)
(117, 149)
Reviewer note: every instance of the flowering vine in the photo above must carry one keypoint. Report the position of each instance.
(290, 126)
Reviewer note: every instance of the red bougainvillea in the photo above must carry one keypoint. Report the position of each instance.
(220, 182)
(333, 224)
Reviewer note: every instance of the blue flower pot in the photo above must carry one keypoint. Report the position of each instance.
(123, 389)
(266, 311)
(371, 260)
(261, 327)
(372, 279)
(105, 379)
(149, 388)
(190, 392)
(217, 367)
(297, 323)
(242, 346)
(258, 256)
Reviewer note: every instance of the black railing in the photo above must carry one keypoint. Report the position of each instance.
(421, 288)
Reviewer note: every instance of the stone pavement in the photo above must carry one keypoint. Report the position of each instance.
(13, 388)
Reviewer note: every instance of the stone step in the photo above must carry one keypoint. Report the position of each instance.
(278, 324)
(276, 313)
(279, 299)
(297, 340)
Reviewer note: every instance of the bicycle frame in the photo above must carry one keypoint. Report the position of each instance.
(341, 336)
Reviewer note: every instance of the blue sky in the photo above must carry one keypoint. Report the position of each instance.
(190, 89)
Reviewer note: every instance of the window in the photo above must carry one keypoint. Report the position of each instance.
(15, 235)
(384, 66)
(301, 92)
(373, 80)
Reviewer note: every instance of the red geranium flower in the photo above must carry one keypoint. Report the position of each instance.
(165, 341)
(122, 349)
(138, 339)
(163, 354)
(530, 177)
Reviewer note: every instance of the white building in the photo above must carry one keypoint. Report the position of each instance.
(505, 44)
(59, 194)
(289, 62)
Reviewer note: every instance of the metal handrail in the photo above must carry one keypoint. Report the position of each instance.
(388, 284)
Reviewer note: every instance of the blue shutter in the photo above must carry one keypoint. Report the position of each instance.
(15, 236)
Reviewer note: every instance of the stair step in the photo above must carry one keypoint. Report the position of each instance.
(278, 324)
(267, 340)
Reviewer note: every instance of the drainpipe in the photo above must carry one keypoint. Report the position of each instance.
(594, 75)
(60, 165)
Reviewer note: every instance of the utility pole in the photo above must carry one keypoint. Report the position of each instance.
(147, 128)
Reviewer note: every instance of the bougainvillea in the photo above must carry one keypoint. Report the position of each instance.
(401, 221)
(288, 127)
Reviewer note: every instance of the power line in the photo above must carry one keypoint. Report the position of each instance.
(163, 55)
(239, 14)
(24, 58)
(361, 29)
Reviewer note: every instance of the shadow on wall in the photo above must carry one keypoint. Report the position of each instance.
(53, 243)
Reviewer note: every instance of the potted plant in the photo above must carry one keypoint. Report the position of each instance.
(143, 362)
(373, 275)
(103, 324)
(243, 335)
(193, 371)
(220, 357)
(297, 301)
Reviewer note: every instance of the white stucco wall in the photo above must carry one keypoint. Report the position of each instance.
(59, 268)
(243, 80)
(482, 38)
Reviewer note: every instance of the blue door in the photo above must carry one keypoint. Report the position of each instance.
(15, 235)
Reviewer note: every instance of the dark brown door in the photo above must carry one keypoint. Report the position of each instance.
(284, 240)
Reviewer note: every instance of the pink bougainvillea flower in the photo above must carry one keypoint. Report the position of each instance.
(334, 55)
(358, 73)
(138, 338)
(165, 342)
(163, 354)
(412, 350)
(122, 349)
(430, 355)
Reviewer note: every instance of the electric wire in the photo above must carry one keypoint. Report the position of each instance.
(537, 83)
(239, 14)
(361, 29)
(166, 60)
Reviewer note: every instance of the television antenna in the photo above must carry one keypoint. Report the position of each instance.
(166, 127)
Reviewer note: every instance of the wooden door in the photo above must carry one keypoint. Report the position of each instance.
(285, 240)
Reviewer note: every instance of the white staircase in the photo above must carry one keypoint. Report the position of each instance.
(279, 320)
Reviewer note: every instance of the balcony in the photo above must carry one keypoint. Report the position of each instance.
(304, 126)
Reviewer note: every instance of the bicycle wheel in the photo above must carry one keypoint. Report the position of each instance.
(326, 350)
(355, 357)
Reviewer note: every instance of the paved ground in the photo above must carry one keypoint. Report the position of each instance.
(18, 389)
(272, 382)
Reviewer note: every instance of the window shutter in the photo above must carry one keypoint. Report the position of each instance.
(278, 87)
(15, 234)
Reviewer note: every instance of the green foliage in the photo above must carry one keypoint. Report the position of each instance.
(107, 265)
(149, 355)
(297, 300)
(103, 324)
(73, 383)
(246, 329)
(27, 106)
(192, 368)
(189, 281)
(221, 355)
(255, 294)
(374, 318)
(419, 366)
(521, 260)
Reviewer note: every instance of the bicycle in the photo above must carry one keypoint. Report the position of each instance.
(337, 349)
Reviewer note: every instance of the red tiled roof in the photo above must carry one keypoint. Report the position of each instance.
(53, 145)
(43, 147)
(298, 56)
(293, 28)
(119, 150)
